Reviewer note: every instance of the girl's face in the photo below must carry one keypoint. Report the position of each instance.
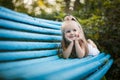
(71, 29)
(71, 34)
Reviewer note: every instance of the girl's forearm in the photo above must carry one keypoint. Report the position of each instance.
(80, 51)
(68, 51)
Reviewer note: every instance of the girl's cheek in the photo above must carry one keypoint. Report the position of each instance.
(77, 35)
(68, 37)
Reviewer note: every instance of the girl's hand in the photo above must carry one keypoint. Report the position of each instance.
(78, 37)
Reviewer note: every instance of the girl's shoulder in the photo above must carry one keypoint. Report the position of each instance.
(92, 49)
(89, 41)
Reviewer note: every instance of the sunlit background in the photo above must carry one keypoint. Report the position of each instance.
(49, 6)
(100, 20)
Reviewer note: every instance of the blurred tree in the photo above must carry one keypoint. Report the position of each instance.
(77, 5)
(67, 6)
(112, 27)
(7, 4)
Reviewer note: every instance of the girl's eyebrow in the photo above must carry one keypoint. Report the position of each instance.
(67, 30)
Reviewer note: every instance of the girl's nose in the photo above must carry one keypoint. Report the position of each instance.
(72, 32)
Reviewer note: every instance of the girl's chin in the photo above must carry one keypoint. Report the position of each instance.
(72, 38)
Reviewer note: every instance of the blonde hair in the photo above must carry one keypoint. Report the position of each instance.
(70, 20)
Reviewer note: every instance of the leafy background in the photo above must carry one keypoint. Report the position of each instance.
(100, 20)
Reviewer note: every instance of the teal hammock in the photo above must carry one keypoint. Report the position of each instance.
(29, 48)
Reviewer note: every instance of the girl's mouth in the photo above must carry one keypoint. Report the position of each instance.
(71, 36)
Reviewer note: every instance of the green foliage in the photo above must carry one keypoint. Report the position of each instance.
(104, 78)
(56, 16)
(7, 4)
(91, 26)
(100, 20)
(112, 27)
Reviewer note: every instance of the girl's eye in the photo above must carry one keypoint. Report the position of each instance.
(74, 30)
(68, 31)
(73, 19)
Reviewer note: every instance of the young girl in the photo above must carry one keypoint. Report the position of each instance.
(74, 44)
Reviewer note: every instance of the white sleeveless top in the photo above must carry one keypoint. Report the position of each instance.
(92, 51)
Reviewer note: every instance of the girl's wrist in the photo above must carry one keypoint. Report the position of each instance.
(76, 41)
